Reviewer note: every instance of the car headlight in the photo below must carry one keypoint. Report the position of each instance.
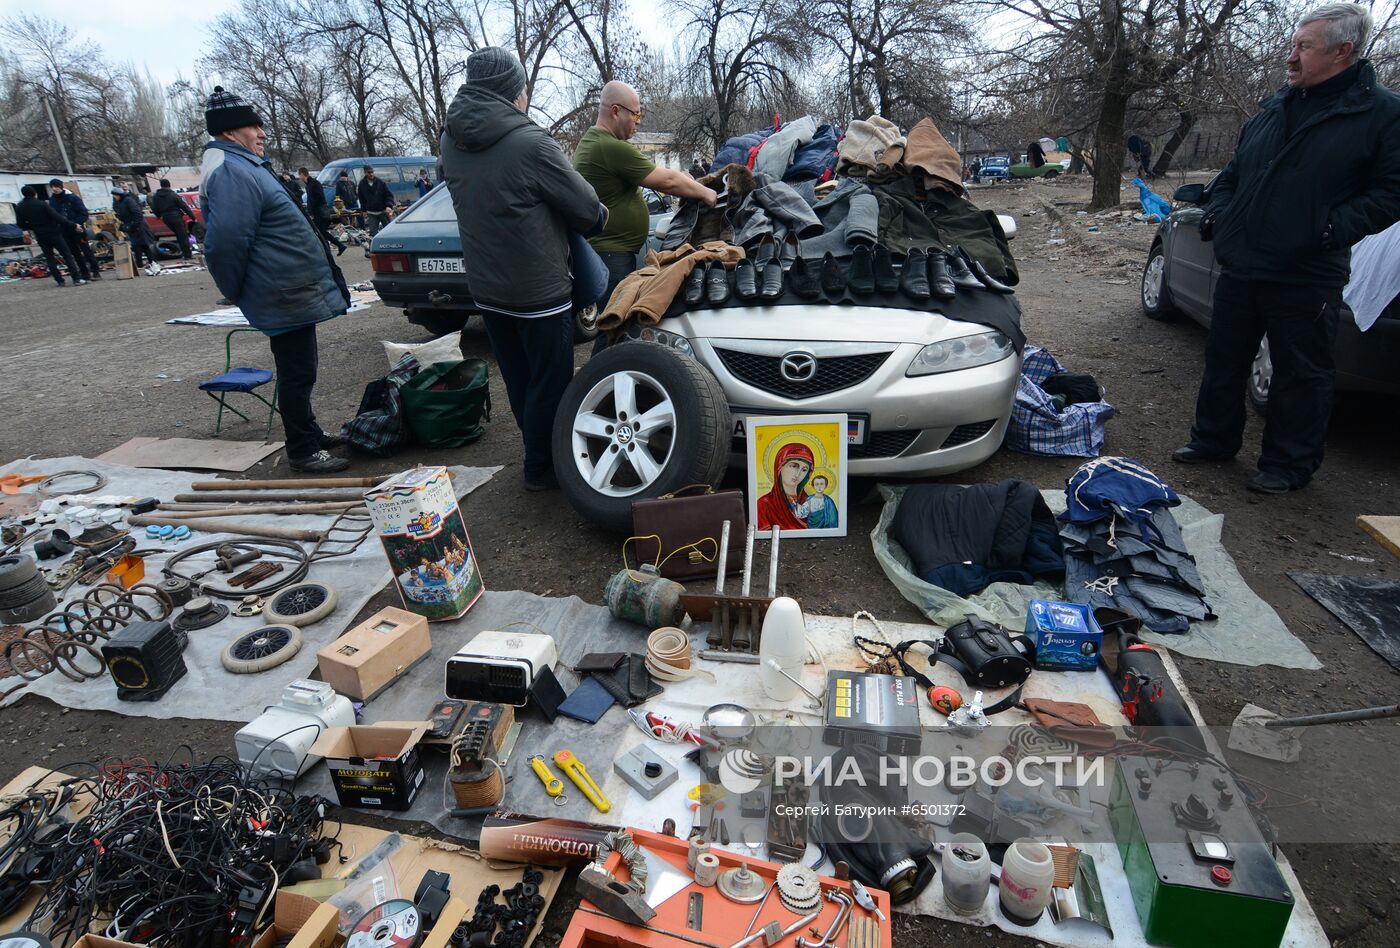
(671, 339)
(964, 352)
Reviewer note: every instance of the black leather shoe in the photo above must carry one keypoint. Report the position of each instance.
(962, 274)
(1266, 483)
(717, 285)
(833, 276)
(1190, 455)
(885, 279)
(695, 286)
(913, 278)
(771, 281)
(802, 279)
(745, 280)
(987, 280)
(940, 283)
(322, 462)
(765, 251)
(862, 273)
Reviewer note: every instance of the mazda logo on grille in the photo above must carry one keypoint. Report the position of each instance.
(798, 366)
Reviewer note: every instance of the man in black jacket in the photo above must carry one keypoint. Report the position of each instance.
(318, 210)
(345, 190)
(72, 209)
(168, 206)
(35, 215)
(133, 223)
(1317, 169)
(375, 200)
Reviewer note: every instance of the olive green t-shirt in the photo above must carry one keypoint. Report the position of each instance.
(615, 168)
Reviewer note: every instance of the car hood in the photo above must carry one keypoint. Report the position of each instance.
(824, 323)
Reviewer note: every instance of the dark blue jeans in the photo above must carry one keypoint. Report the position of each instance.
(536, 359)
(1301, 323)
(620, 263)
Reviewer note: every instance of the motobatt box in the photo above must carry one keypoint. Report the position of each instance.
(882, 710)
(374, 654)
(417, 518)
(1066, 636)
(372, 766)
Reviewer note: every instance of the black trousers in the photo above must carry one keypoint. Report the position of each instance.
(1301, 324)
(620, 263)
(536, 359)
(294, 352)
(323, 227)
(176, 222)
(55, 248)
(81, 247)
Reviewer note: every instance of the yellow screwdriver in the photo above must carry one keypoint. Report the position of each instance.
(573, 769)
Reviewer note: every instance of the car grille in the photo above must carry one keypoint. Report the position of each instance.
(833, 372)
(962, 434)
(883, 444)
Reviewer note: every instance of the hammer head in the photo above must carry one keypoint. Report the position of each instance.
(615, 899)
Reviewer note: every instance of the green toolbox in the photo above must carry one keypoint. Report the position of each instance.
(1199, 868)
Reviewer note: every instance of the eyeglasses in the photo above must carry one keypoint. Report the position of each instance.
(637, 115)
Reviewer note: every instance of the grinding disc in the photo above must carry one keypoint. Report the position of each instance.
(392, 924)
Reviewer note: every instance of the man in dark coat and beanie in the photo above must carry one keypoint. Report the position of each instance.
(318, 209)
(172, 210)
(34, 214)
(265, 256)
(1317, 169)
(517, 198)
(127, 207)
(72, 209)
(375, 201)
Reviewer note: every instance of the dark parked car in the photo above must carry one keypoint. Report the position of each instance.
(1180, 278)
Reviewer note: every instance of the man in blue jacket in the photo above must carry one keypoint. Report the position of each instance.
(266, 258)
(1317, 169)
(72, 209)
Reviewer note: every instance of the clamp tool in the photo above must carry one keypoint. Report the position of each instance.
(553, 786)
(573, 769)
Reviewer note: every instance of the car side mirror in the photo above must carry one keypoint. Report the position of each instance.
(1190, 194)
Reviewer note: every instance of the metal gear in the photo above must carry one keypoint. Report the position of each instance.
(798, 888)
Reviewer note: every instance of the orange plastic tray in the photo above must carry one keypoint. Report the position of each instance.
(722, 922)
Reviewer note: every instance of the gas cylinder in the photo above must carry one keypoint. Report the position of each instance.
(645, 597)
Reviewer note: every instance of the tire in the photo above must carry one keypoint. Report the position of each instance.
(692, 449)
(261, 649)
(1261, 376)
(16, 570)
(300, 605)
(1051, 174)
(439, 322)
(586, 325)
(1152, 292)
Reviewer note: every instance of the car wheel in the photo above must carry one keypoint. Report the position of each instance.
(439, 322)
(586, 324)
(1261, 376)
(1156, 301)
(1052, 173)
(638, 421)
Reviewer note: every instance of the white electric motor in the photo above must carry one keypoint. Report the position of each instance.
(277, 742)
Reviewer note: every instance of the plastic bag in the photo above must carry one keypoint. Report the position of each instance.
(1154, 205)
(447, 401)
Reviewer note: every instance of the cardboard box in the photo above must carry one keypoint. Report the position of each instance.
(373, 766)
(97, 941)
(374, 654)
(454, 913)
(1066, 636)
(310, 924)
(417, 518)
(122, 264)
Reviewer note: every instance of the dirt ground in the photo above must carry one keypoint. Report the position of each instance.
(89, 367)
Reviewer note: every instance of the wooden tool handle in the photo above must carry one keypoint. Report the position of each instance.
(223, 526)
(289, 484)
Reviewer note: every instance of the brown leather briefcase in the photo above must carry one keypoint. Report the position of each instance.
(682, 531)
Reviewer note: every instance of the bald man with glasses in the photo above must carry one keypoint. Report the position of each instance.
(618, 171)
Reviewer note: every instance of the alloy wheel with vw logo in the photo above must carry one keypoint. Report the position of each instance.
(798, 366)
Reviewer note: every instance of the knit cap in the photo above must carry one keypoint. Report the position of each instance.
(226, 111)
(496, 70)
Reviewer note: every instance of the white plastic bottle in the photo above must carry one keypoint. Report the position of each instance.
(784, 641)
(1027, 873)
(967, 874)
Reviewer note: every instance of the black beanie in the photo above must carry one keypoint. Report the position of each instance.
(55, 181)
(496, 70)
(226, 111)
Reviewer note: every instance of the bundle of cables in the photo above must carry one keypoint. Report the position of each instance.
(169, 854)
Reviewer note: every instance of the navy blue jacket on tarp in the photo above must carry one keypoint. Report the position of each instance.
(963, 539)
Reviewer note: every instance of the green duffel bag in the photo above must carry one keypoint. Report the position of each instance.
(447, 401)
